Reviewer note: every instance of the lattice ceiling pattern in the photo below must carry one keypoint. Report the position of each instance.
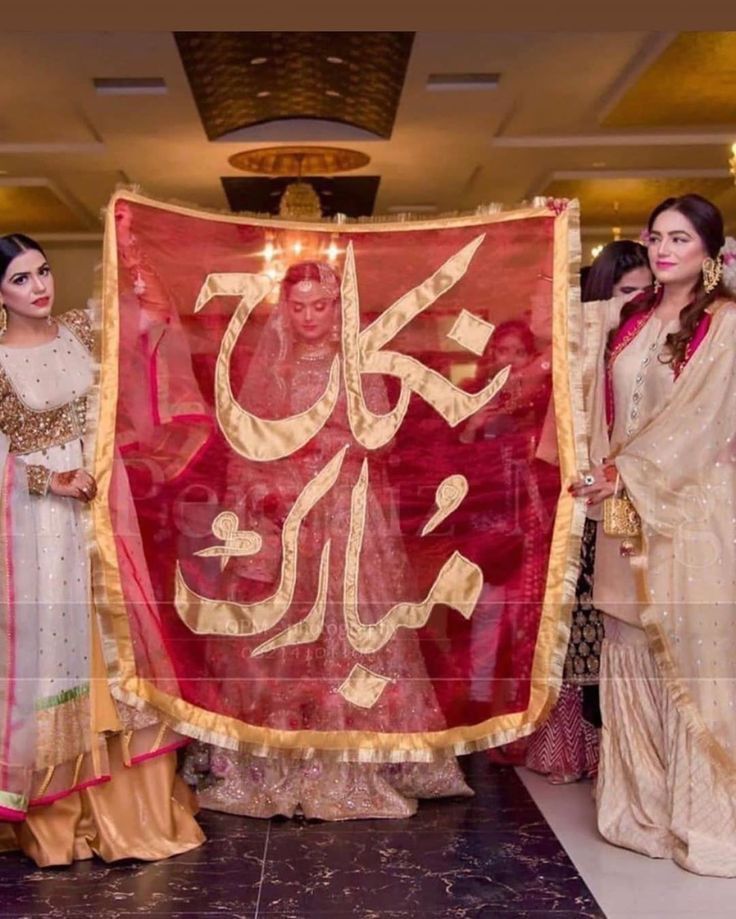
(240, 79)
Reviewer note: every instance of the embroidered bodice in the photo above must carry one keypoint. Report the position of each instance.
(43, 391)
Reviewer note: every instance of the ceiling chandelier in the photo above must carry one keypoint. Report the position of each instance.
(299, 200)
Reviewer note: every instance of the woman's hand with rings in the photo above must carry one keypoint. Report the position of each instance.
(597, 485)
(77, 483)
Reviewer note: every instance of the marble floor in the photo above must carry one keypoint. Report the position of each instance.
(521, 849)
(490, 856)
(626, 885)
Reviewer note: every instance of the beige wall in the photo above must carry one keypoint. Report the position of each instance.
(73, 265)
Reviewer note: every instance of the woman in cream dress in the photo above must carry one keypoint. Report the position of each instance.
(662, 410)
(66, 789)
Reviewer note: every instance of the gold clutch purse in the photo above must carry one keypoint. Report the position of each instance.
(620, 518)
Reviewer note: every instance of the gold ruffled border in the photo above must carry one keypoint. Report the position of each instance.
(359, 746)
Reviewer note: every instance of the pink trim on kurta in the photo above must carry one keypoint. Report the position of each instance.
(625, 334)
(49, 799)
(152, 754)
(628, 332)
(12, 816)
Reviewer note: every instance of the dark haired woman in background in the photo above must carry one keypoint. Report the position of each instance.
(662, 409)
(65, 791)
(565, 748)
(621, 269)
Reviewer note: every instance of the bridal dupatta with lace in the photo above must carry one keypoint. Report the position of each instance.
(333, 569)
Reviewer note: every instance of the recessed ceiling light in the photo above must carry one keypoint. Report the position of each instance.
(258, 60)
(263, 93)
(439, 82)
(332, 92)
(130, 86)
(332, 59)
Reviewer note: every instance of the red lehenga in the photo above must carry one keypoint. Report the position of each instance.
(296, 687)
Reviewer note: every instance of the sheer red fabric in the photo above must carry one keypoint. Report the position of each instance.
(366, 576)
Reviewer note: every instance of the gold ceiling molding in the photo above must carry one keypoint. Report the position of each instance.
(629, 201)
(298, 160)
(692, 83)
(37, 208)
(243, 79)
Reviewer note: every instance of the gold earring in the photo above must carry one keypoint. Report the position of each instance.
(712, 271)
(3, 319)
(657, 286)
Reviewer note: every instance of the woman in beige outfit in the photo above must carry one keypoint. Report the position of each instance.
(662, 412)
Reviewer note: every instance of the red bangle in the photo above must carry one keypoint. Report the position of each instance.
(610, 473)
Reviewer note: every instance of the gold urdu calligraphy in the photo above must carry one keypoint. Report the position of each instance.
(459, 582)
(235, 543)
(458, 585)
(363, 354)
(206, 616)
(310, 628)
(449, 496)
(255, 438)
(264, 440)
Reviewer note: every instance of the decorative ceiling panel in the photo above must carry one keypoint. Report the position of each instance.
(36, 208)
(692, 83)
(304, 160)
(353, 196)
(628, 202)
(240, 79)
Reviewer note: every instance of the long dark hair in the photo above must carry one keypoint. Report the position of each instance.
(707, 221)
(11, 246)
(615, 260)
